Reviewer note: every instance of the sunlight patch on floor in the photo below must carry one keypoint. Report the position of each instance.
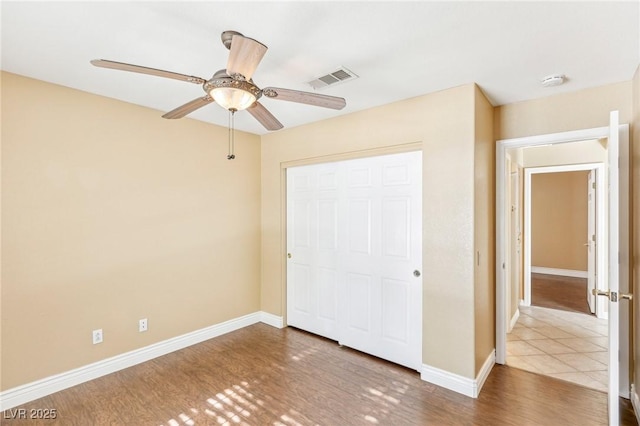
(247, 394)
(221, 407)
(225, 408)
(240, 399)
(186, 419)
(288, 421)
(371, 419)
(301, 355)
(384, 396)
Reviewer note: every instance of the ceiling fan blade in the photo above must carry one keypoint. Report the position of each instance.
(189, 107)
(244, 56)
(265, 118)
(145, 70)
(308, 98)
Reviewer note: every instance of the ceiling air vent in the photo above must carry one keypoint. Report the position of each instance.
(338, 76)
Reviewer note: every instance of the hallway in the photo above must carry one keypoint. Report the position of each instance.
(565, 345)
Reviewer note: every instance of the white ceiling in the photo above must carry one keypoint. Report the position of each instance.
(399, 49)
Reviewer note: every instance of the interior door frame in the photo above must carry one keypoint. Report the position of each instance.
(502, 233)
(618, 183)
(600, 224)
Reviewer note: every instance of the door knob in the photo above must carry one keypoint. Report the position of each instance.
(416, 273)
(597, 292)
(612, 295)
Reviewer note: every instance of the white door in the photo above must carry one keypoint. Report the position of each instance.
(618, 296)
(618, 264)
(355, 241)
(382, 294)
(312, 242)
(613, 156)
(591, 241)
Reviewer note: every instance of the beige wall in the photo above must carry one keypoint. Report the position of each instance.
(444, 123)
(583, 109)
(591, 151)
(111, 214)
(484, 230)
(635, 225)
(559, 220)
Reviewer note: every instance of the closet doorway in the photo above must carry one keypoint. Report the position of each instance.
(354, 254)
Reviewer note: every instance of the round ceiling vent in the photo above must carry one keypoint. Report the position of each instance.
(553, 80)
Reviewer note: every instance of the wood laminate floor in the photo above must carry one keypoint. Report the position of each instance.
(261, 375)
(558, 292)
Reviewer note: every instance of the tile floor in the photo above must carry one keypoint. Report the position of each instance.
(566, 345)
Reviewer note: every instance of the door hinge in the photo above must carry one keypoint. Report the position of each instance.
(593, 237)
(593, 185)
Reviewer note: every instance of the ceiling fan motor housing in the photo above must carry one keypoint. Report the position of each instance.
(222, 79)
(226, 37)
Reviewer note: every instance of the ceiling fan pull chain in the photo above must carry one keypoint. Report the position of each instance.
(232, 135)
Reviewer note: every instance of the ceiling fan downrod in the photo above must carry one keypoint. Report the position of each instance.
(232, 134)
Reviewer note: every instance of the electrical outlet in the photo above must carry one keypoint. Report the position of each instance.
(142, 325)
(97, 336)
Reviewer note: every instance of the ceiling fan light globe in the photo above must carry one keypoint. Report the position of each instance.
(232, 98)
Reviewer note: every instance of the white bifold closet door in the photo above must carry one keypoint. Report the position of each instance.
(354, 249)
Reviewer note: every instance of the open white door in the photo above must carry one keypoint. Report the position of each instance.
(618, 262)
(614, 313)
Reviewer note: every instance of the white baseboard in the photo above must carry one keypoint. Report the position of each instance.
(40, 388)
(464, 385)
(563, 272)
(272, 320)
(635, 402)
(514, 320)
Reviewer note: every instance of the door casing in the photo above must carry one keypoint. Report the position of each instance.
(600, 227)
(502, 233)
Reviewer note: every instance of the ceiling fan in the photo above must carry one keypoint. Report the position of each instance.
(233, 88)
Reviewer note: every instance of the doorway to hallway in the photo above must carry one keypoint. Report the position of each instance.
(615, 138)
